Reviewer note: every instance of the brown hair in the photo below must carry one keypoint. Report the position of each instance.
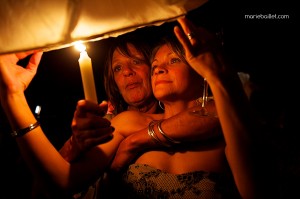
(171, 40)
(121, 44)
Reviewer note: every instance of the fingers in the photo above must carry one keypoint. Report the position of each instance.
(103, 103)
(34, 61)
(189, 30)
(36, 58)
(22, 55)
(90, 123)
(104, 107)
(121, 159)
(89, 132)
(85, 107)
(187, 36)
(182, 38)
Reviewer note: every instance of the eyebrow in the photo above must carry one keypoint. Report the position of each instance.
(170, 53)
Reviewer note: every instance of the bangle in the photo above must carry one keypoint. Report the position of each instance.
(21, 132)
(164, 134)
(153, 135)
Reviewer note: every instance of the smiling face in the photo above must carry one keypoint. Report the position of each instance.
(132, 76)
(172, 78)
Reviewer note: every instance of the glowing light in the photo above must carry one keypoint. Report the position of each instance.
(87, 75)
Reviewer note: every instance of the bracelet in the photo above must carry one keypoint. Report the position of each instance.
(21, 132)
(164, 134)
(153, 135)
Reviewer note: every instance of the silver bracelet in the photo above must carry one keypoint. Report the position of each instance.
(164, 134)
(21, 132)
(153, 135)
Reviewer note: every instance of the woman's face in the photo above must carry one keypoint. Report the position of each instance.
(172, 78)
(132, 76)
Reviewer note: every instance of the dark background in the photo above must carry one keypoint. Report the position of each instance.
(264, 48)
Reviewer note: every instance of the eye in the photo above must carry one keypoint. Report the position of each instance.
(117, 68)
(135, 61)
(175, 60)
(138, 61)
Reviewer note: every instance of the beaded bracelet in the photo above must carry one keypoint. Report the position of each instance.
(21, 132)
(164, 134)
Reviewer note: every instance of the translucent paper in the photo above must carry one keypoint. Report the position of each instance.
(54, 24)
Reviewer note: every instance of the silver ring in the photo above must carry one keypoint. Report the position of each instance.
(190, 35)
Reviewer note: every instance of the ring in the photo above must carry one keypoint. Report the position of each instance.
(190, 35)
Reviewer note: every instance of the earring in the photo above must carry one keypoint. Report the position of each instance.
(161, 105)
(199, 101)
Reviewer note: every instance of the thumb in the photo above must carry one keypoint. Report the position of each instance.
(104, 106)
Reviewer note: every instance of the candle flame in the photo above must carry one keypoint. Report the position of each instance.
(80, 46)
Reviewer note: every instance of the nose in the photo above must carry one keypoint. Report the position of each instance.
(128, 71)
(160, 69)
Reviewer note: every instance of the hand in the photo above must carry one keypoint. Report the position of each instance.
(202, 48)
(89, 128)
(131, 147)
(15, 78)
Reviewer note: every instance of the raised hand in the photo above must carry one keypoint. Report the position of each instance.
(15, 78)
(202, 48)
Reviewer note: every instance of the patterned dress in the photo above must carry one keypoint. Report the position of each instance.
(143, 181)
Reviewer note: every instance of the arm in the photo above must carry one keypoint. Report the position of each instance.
(184, 127)
(40, 155)
(237, 121)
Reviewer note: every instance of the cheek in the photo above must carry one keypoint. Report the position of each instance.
(145, 75)
(144, 72)
(118, 81)
(152, 81)
(182, 80)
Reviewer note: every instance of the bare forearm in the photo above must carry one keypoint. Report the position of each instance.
(40, 155)
(238, 125)
(183, 128)
(68, 152)
(33, 144)
(188, 127)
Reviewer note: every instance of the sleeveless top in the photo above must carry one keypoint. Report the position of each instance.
(141, 181)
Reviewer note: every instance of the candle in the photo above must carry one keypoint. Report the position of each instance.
(87, 76)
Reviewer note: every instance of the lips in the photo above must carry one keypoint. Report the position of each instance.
(132, 85)
(162, 82)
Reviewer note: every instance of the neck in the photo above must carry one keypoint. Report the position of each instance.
(173, 108)
(149, 107)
